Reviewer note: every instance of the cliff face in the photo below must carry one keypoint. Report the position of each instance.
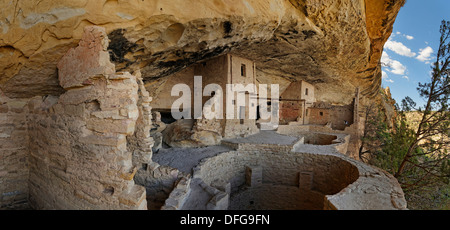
(334, 44)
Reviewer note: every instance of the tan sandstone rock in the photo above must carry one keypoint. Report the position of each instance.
(322, 42)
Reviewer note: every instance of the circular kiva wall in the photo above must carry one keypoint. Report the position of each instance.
(276, 181)
(319, 139)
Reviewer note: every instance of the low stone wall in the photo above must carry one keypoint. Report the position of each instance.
(318, 177)
(375, 189)
(259, 147)
(159, 182)
(351, 142)
(319, 139)
(178, 195)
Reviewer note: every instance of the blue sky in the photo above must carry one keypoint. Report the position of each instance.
(412, 47)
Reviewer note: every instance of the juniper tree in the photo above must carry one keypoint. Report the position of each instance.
(426, 158)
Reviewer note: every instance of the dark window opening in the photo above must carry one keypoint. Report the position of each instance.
(167, 118)
(306, 91)
(243, 71)
(258, 115)
(321, 113)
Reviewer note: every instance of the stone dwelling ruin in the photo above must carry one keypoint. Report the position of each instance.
(83, 108)
(295, 102)
(91, 149)
(221, 71)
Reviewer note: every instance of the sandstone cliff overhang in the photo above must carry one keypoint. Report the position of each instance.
(90, 148)
(322, 42)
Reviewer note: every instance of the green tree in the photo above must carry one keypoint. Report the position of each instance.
(418, 154)
(429, 148)
(424, 168)
(393, 145)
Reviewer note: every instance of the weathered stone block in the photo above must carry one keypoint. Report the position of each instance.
(75, 110)
(89, 59)
(219, 202)
(134, 197)
(222, 185)
(129, 176)
(17, 106)
(107, 140)
(4, 108)
(125, 126)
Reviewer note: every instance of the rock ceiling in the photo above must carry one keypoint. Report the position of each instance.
(334, 44)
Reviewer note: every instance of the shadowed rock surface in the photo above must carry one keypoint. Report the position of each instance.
(338, 42)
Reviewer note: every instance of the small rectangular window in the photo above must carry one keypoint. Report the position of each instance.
(321, 113)
(306, 91)
(243, 71)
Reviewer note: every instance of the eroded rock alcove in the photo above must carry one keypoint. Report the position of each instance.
(76, 124)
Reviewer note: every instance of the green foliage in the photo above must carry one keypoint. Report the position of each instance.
(422, 189)
(395, 144)
(418, 156)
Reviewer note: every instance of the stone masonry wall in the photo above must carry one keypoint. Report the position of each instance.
(78, 146)
(13, 151)
(330, 174)
(352, 131)
(325, 181)
(141, 143)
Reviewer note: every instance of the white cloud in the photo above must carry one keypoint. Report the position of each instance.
(397, 68)
(399, 48)
(425, 54)
(385, 59)
(394, 66)
(384, 75)
(406, 77)
(393, 35)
